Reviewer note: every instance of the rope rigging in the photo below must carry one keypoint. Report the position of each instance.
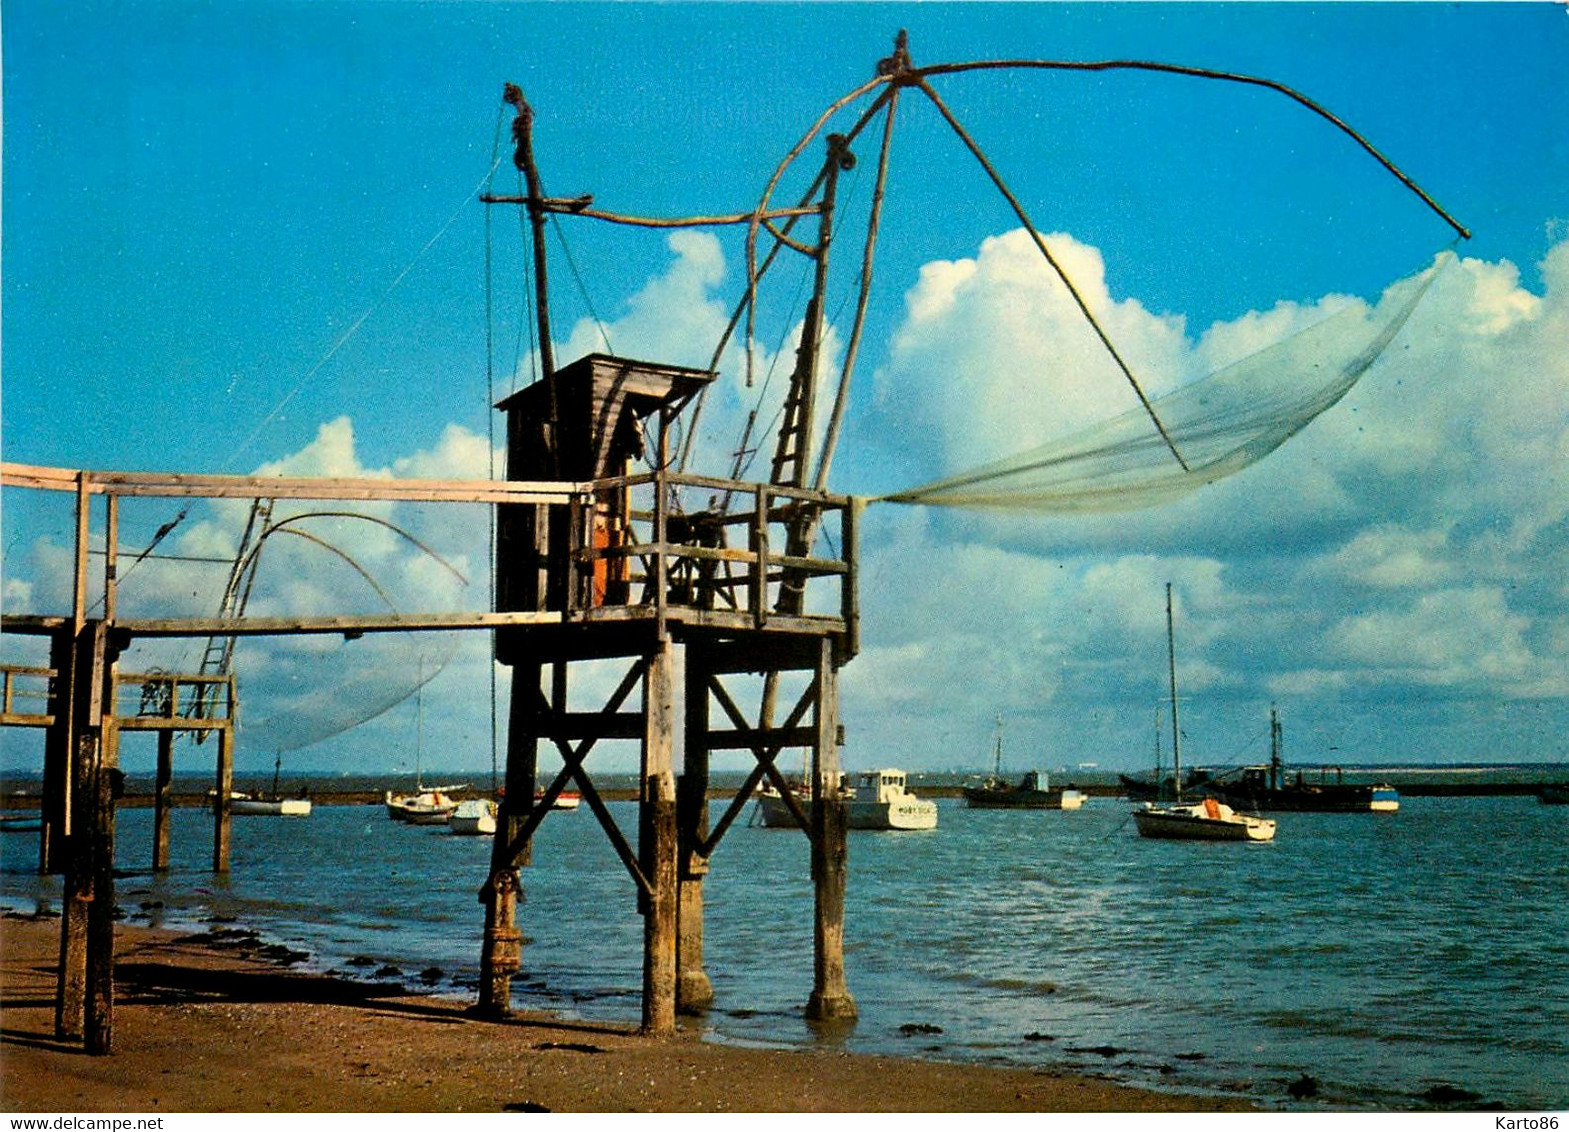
(1196, 449)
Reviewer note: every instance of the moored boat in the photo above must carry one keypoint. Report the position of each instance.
(1209, 819)
(1268, 788)
(880, 801)
(256, 805)
(423, 807)
(475, 817)
(566, 800)
(1029, 793)
(273, 804)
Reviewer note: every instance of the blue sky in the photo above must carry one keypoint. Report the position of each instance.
(201, 200)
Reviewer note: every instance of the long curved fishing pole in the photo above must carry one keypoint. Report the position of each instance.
(1296, 96)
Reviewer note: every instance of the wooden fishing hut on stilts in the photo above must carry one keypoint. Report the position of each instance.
(689, 581)
(693, 581)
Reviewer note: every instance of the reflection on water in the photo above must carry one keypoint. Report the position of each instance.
(1382, 955)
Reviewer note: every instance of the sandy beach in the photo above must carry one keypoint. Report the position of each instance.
(203, 1028)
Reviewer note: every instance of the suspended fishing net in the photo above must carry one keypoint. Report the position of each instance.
(316, 697)
(1220, 424)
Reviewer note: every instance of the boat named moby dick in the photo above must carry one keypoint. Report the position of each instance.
(878, 800)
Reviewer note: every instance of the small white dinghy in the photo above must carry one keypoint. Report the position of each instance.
(475, 817)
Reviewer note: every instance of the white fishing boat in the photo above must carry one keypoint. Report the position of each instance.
(1209, 819)
(880, 801)
(475, 817)
(774, 812)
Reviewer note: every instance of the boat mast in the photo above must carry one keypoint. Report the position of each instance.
(1176, 732)
(1157, 749)
(997, 771)
(523, 159)
(1274, 748)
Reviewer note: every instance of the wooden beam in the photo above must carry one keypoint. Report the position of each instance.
(754, 738)
(349, 624)
(288, 487)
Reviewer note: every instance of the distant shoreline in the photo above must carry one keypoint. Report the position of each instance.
(137, 799)
(13, 801)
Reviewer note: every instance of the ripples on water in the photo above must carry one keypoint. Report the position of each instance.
(1383, 955)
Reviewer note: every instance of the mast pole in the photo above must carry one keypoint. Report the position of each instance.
(1176, 731)
(523, 158)
(1274, 748)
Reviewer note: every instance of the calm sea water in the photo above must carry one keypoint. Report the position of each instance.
(1382, 955)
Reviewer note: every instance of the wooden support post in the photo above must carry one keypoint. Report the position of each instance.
(84, 991)
(501, 950)
(694, 991)
(221, 817)
(850, 594)
(59, 748)
(657, 844)
(99, 1029)
(162, 789)
(830, 997)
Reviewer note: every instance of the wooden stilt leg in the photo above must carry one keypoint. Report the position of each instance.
(98, 1032)
(694, 991)
(501, 952)
(59, 756)
(221, 817)
(162, 799)
(658, 846)
(830, 995)
(83, 856)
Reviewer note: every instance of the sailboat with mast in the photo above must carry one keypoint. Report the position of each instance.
(1209, 819)
(428, 805)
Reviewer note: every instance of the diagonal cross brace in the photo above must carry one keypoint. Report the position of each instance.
(572, 769)
(765, 765)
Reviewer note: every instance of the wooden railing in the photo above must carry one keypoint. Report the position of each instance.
(143, 700)
(689, 545)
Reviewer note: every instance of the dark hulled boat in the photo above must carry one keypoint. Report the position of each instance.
(1029, 793)
(1026, 794)
(1268, 788)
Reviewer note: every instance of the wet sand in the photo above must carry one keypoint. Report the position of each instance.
(199, 1028)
